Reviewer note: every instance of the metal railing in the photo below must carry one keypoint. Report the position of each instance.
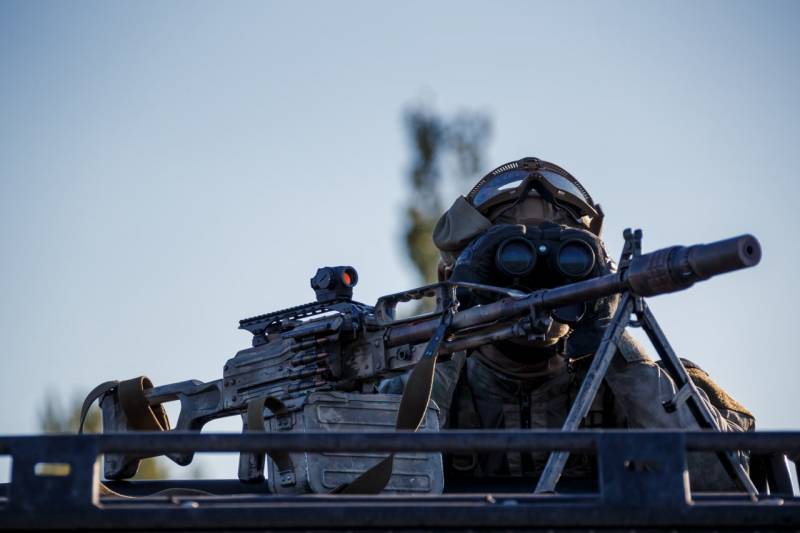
(642, 483)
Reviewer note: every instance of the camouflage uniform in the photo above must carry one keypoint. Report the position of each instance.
(473, 395)
(512, 386)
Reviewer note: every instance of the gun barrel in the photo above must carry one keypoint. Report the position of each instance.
(678, 267)
(724, 256)
(666, 270)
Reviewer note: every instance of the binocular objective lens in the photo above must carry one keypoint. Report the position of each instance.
(515, 257)
(575, 259)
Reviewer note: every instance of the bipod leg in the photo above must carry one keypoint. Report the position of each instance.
(687, 393)
(588, 390)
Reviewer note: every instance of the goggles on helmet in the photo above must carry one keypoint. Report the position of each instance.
(518, 180)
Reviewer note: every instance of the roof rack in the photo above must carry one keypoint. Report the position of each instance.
(642, 483)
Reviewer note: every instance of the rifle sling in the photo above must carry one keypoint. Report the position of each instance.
(255, 422)
(410, 415)
(130, 393)
(140, 414)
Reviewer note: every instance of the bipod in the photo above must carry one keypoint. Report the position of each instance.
(631, 304)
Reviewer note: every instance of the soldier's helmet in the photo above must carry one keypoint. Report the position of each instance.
(528, 191)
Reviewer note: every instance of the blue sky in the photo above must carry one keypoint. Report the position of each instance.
(167, 169)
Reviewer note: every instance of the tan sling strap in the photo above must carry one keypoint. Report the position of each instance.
(140, 414)
(413, 406)
(255, 422)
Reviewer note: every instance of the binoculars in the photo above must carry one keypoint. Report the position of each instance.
(571, 258)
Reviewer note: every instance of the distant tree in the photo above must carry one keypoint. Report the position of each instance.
(57, 416)
(442, 149)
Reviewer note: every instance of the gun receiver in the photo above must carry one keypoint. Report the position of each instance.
(338, 344)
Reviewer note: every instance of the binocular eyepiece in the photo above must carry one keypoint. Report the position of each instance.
(571, 258)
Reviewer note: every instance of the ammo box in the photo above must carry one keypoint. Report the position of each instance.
(414, 473)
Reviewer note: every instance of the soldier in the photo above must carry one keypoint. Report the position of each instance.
(531, 384)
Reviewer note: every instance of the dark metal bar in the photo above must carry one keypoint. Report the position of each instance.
(475, 339)
(700, 410)
(388, 441)
(158, 443)
(649, 274)
(508, 308)
(589, 387)
(378, 513)
(641, 485)
(762, 441)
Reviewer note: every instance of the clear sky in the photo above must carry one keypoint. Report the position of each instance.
(169, 168)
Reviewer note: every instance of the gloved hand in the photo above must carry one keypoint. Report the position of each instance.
(476, 263)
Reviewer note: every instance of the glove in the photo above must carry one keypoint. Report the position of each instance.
(476, 263)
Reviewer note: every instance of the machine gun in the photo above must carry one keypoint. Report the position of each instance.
(337, 344)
